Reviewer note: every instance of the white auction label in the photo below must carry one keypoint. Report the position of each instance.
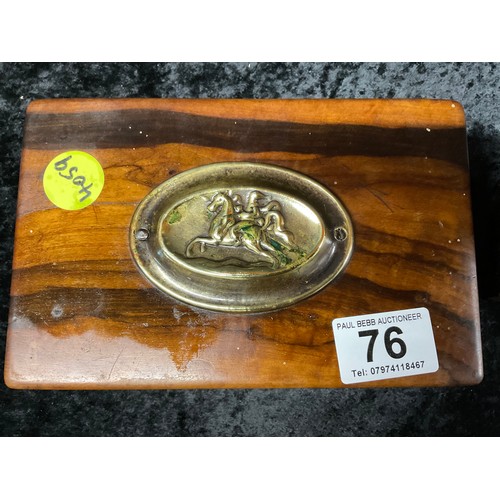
(385, 345)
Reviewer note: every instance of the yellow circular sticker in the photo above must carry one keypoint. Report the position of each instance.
(73, 180)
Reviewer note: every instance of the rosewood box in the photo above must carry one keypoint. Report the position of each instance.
(136, 266)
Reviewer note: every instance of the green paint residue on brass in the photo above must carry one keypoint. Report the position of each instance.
(175, 216)
(250, 232)
(280, 252)
(301, 254)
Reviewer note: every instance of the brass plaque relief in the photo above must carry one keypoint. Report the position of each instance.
(245, 235)
(240, 237)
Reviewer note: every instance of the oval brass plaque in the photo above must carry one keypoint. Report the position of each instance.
(240, 237)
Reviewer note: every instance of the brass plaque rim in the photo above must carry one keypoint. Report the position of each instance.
(260, 289)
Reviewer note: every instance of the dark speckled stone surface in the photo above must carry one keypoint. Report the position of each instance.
(347, 412)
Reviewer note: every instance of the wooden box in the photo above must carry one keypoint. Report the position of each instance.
(83, 317)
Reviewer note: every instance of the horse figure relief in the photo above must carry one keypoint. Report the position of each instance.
(252, 225)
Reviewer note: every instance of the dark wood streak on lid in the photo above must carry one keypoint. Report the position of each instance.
(147, 128)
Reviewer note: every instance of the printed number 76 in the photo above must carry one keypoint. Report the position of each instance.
(389, 343)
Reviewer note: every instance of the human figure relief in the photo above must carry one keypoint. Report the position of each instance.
(257, 227)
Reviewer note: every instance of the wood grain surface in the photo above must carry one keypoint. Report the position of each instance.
(83, 317)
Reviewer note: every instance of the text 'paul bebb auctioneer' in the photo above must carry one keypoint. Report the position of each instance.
(385, 345)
